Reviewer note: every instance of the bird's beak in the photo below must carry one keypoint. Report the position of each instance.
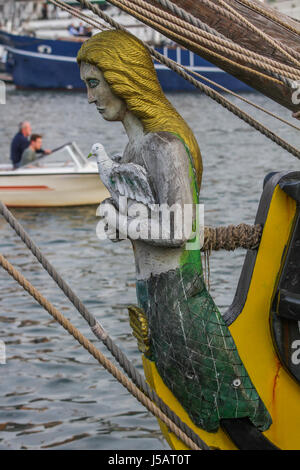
(90, 155)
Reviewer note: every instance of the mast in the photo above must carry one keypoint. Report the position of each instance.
(279, 27)
(242, 36)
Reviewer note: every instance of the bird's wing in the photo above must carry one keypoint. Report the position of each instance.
(116, 158)
(131, 181)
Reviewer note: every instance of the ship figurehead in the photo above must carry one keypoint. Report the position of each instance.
(233, 378)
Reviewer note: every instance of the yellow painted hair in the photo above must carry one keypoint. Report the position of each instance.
(128, 69)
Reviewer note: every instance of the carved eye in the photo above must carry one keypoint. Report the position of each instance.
(93, 83)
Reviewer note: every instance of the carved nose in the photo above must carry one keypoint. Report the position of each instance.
(91, 98)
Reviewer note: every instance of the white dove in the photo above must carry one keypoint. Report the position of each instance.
(123, 179)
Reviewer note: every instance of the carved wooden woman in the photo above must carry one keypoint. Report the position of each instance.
(192, 347)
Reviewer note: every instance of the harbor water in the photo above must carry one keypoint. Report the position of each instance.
(53, 395)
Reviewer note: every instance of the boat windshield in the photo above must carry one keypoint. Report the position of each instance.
(67, 155)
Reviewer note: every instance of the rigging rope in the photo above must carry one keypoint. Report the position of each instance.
(103, 360)
(200, 49)
(231, 13)
(251, 103)
(180, 12)
(198, 37)
(267, 14)
(81, 15)
(212, 39)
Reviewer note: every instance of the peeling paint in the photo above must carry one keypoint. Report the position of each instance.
(278, 367)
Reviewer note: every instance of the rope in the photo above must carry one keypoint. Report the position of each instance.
(95, 326)
(192, 44)
(180, 12)
(209, 39)
(187, 17)
(232, 237)
(267, 14)
(228, 238)
(104, 361)
(82, 16)
(230, 12)
(251, 103)
(207, 90)
(232, 108)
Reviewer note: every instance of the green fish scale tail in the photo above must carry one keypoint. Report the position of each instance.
(194, 351)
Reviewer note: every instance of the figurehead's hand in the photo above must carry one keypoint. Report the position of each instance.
(109, 217)
(297, 115)
(47, 152)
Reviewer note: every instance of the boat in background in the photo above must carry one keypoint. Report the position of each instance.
(41, 52)
(66, 179)
(288, 7)
(36, 63)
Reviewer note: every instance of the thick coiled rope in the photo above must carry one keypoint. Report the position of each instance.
(232, 237)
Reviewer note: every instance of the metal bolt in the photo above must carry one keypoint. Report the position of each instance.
(190, 375)
(236, 383)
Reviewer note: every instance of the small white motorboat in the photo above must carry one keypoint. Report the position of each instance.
(65, 178)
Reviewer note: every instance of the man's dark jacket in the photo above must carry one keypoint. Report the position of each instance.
(18, 145)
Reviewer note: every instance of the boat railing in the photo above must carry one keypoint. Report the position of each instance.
(77, 155)
(74, 157)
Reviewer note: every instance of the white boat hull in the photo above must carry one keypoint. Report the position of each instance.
(46, 190)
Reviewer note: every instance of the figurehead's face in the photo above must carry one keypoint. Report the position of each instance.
(110, 106)
(119, 73)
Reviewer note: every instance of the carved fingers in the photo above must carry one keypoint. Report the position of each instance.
(297, 115)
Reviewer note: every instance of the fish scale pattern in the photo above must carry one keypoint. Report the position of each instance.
(194, 351)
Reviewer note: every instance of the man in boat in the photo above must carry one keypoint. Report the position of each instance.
(21, 142)
(31, 153)
(73, 30)
(81, 30)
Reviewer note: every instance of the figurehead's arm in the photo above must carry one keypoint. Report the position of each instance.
(167, 164)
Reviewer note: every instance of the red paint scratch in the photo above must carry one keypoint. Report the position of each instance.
(23, 188)
(275, 381)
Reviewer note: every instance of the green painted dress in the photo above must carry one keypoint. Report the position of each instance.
(192, 347)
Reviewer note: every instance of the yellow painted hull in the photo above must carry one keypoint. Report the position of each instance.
(251, 330)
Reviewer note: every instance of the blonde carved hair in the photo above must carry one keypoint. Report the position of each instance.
(128, 69)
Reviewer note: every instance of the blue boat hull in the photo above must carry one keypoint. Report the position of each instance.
(51, 64)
